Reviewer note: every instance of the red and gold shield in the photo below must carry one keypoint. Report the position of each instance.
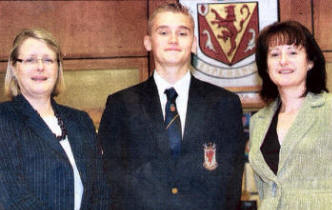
(227, 30)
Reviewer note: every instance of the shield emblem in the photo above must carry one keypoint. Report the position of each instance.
(227, 31)
(210, 161)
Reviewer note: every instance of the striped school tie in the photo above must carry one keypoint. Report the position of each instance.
(173, 123)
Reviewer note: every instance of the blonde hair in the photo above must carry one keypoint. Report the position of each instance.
(12, 87)
(173, 7)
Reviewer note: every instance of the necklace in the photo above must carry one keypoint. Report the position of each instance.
(62, 127)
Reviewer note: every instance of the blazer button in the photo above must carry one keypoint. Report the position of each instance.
(175, 190)
(274, 189)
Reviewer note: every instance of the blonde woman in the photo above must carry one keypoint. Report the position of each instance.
(48, 152)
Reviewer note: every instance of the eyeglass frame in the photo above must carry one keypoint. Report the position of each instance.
(35, 61)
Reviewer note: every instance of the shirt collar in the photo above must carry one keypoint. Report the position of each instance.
(181, 86)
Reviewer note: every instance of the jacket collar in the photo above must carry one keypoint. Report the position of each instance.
(304, 120)
(32, 120)
(311, 100)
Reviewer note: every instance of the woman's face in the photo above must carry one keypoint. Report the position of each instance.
(288, 66)
(36, 70)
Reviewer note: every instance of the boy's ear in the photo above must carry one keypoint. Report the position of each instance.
(147, 43)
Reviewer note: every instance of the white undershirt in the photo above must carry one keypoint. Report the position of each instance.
(182, 89)
(52, 123)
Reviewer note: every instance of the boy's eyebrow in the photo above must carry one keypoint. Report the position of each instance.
(185, 27)
(165, 26)
(162, 27)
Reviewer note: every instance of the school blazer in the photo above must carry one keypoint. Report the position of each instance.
(35, 172)
(137, 158)
(304, 177)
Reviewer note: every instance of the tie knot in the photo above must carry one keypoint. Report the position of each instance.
(171, 94)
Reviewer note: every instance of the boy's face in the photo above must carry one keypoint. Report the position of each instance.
(171, 39)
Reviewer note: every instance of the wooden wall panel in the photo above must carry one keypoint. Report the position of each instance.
(89, 82)
(328, 57)
(329, 76)
(299, 10)
(84, 28)
(323, 23)
(117, 63)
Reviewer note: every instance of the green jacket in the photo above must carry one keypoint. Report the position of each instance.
(304, 177)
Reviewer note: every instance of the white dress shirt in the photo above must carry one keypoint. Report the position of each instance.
(182, 89)
(52, 123)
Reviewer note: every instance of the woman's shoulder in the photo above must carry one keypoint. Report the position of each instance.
(327, 96)
(9, 117)
(68, 109)
(73, 113)
(6, 108)
(266, 110)
(320, 99)
(5, 104)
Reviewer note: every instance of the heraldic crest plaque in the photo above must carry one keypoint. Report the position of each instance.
(226, 31)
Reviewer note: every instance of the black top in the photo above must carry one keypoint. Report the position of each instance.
(271, 147)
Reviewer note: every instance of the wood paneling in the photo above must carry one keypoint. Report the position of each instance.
(328, 56)
(84, 28)
(323, 23)
(299, 10)
(329, 76)
(89, 82)
(118, 63)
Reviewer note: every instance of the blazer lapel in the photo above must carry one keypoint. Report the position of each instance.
(150, 104)
(195, 111)
(75, 139)
(33, 121)
(305, 119)
(262, 125)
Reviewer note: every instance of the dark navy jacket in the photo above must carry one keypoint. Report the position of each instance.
(137, 158)
(35, 172)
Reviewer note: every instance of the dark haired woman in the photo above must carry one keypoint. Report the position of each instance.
(291, 137)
